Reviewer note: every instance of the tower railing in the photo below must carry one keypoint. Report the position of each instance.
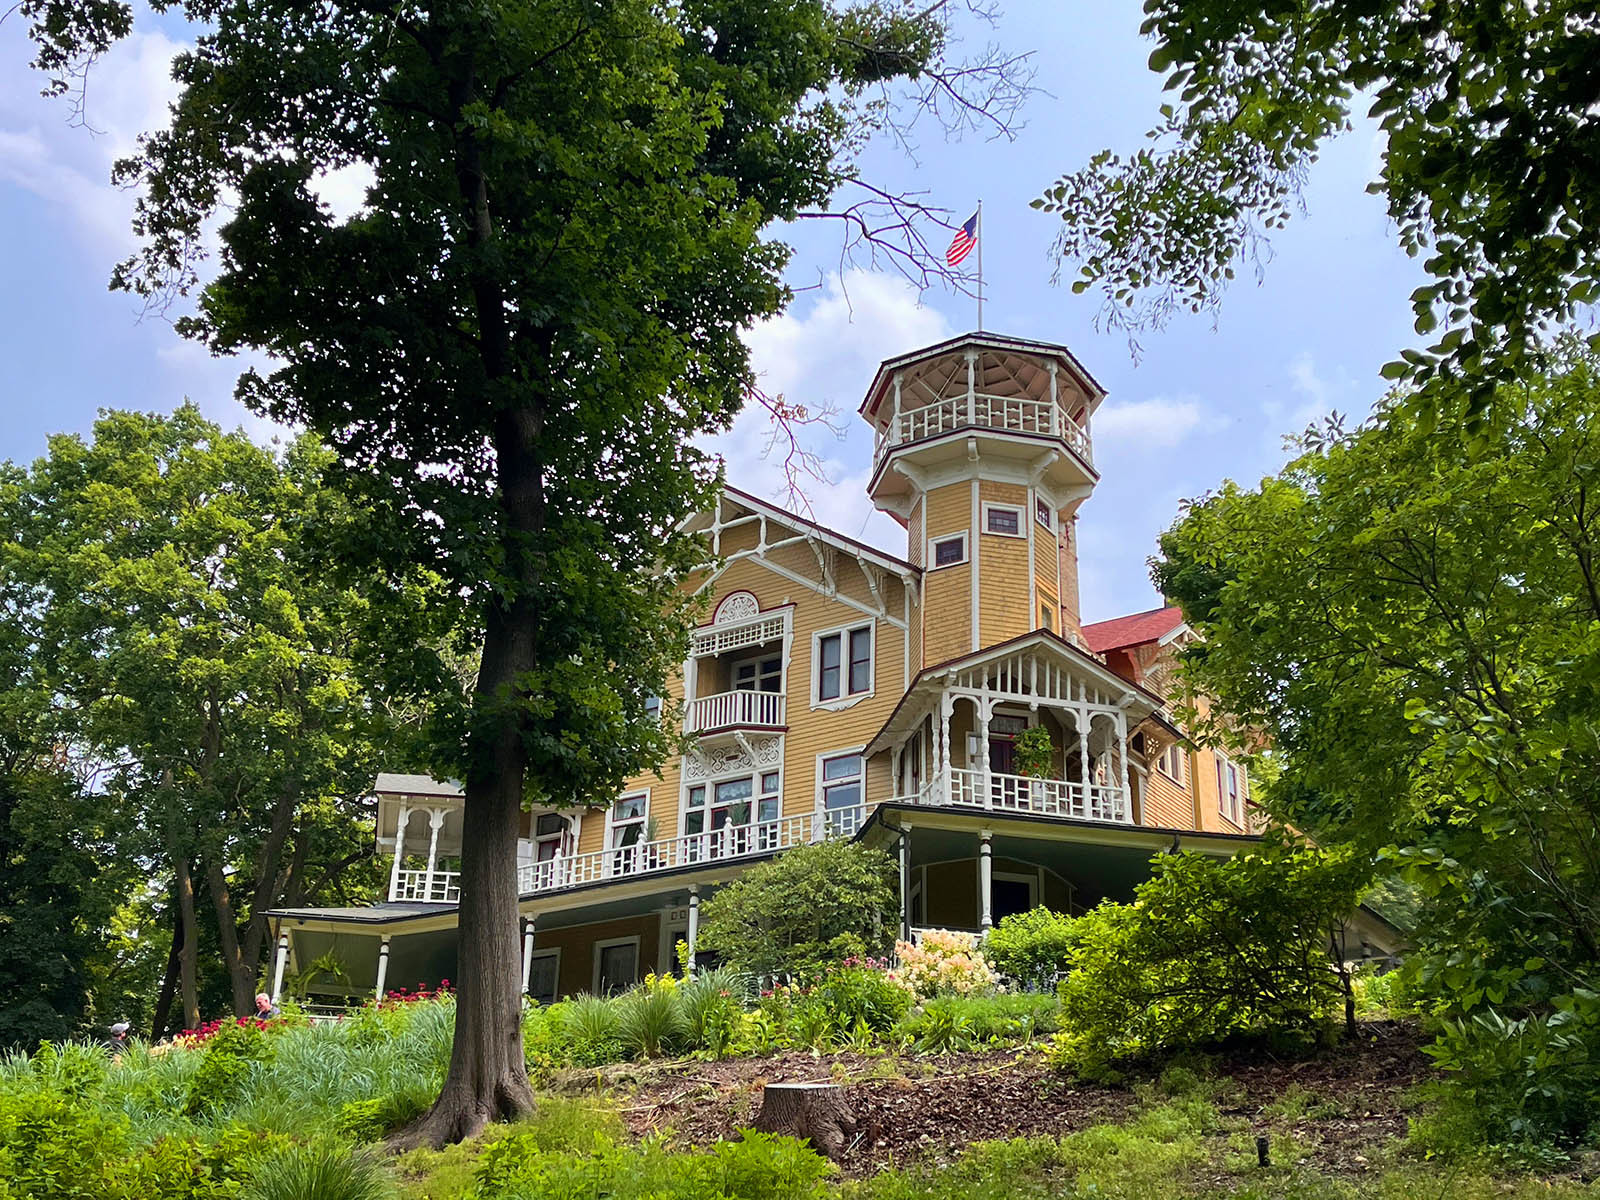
(982, 410)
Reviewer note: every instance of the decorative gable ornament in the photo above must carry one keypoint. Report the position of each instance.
(736, 606)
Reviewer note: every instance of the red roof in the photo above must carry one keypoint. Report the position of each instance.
(1136, 629)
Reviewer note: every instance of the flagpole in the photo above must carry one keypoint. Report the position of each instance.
(980, 266)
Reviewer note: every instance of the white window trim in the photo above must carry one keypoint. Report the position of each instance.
(783, 670)
(822, 784)
(753, 774)
(550, 952)
(995, 505)
(846, 698)
(1177, 760)
(1223, 763)
(595, 954)
(935, 565)
(1050, 510)
(611, 816)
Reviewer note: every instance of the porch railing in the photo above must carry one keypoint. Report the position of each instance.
(1013, 414)
(1021, 794)
(962, 789)
(437, 887)
(730, 710)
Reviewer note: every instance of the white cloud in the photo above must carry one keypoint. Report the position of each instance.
(822, 353)
(1158, 421)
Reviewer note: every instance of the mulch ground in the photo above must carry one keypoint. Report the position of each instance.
(1353, 1098)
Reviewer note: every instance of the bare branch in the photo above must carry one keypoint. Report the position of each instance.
(787, 427)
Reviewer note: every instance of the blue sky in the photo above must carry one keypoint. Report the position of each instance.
(1203, 401)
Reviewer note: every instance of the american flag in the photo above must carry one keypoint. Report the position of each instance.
(961, 245)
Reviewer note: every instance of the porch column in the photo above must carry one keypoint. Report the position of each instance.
(947, 704)
(527, 952)
(1081, 716)
(383, 969)
(399, 851)
(897, 758)
(1122, 808)
(280, 960)
(905, 882)
(985, 708)
(435, 823)
(1055, 401)
(694, 922)
(985, 881)
(972, 381)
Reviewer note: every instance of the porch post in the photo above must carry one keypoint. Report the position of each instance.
(435, 823)
(399, 851)
(905, 882)
(1124, 804)
(383, 969)
(694, 921)
(1081, 716)
(985, 708)
(985, 881)
(972, 383)
(947, 704)
(280, 960)
(527, 952)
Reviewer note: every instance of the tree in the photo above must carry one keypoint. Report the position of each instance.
(514, 342)
(851, 910)
(196, 655)
(1208, 950)
(1491, 168)
(1419, 636)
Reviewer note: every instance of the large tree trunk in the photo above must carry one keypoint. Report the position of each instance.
(241, 975)
(488, 1076)
(186, 955)
(169, 978)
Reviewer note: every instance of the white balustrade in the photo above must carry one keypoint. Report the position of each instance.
(727, 710)
(1014, 414)
(436, 887)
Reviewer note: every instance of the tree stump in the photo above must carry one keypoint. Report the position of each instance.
(817, 1112)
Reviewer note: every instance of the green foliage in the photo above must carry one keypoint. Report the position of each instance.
(1207, 950)
(226, 1062)
(593, 1026)
(1032, 947)
(959, 1022)
(650, 1018)
(855, 994)
(321, 1170)
(713, 1003)
(1439, 706)
(1469, 133)
(1035, 754)
(851, 902)
(757, 1167)
(52, 1147)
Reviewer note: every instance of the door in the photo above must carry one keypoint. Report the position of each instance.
(1003, 732)
(1009, 896)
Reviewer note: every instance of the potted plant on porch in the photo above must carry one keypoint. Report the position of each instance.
(1034, 756)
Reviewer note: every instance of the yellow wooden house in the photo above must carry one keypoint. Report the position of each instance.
(838, 691)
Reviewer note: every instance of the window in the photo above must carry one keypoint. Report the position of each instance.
(1003, 519)
(844, 663)
(948, 551)
(549, 830)
(839, 781)
(1170, 763)
(1047, 616)
(652, 707)
(1043, 514)
(627, 821)
(1231, 790)
(734, 803)
(759, 674)
(544, 975)
(616, 965)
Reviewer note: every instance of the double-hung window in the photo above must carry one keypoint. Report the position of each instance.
(625, 830)
(726, 810)
(759, 674)
(1231, 790)
(840, 781)
(1170, 763)
(844, 664)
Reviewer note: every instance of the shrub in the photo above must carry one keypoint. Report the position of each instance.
(1035, 755)
(957, 1022)
(713, 1004)
(1207, 950)
(55, 1148)
(592, 1030)
(320, 1170)
(944, 962)
(649, 1017)
(1033, 947)
(849, 910)
(862, 991)
(230, 1054)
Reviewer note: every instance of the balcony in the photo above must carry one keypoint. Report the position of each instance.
(1060, 798)
(736, 710)
(980, 410)
(432, 887)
